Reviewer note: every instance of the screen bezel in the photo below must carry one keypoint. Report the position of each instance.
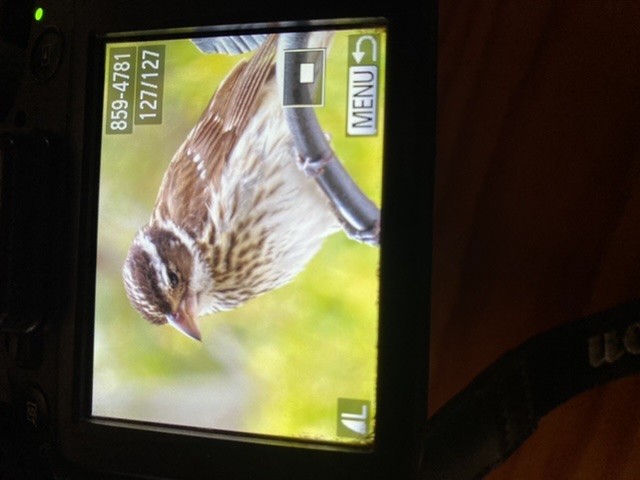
(145, 449)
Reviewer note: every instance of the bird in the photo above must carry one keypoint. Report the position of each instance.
(235, 216)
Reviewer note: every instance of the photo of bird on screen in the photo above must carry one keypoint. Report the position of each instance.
(237, 213)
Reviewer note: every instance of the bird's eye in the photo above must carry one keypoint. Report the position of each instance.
(173, 279)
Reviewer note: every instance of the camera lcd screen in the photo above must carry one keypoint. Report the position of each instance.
(231, 295)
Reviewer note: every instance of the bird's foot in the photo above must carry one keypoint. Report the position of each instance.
(313, 167)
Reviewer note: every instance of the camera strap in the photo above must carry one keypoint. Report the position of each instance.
(483, 425)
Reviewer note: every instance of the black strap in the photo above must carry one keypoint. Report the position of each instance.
(482, 426)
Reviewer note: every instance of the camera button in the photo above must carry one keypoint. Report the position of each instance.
(46, 55)
(34, 409)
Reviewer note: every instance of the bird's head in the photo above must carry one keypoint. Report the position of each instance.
(157, 277)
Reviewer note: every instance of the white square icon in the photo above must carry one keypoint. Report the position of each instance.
(303, 77)
(306, 72)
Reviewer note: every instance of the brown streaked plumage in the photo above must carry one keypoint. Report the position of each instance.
(234, 216)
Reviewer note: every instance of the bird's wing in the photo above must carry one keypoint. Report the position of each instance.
(199, 162)
(231, 45)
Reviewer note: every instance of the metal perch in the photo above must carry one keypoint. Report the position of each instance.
(358, 215)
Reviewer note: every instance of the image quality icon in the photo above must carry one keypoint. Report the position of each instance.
(353, 417)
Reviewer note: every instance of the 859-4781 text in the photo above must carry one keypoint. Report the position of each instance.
(135, 87)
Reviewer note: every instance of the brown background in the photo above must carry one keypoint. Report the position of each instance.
(537, 215)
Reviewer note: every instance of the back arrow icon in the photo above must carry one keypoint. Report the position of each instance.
(359, 54)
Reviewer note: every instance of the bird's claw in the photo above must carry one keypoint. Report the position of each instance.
(313, 167)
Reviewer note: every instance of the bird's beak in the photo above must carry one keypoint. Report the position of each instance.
(184, 319)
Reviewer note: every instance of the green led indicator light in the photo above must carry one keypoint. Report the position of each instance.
(38, 14)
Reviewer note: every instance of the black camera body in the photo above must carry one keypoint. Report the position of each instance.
(36, 239)
(35, 136)
(50, 137)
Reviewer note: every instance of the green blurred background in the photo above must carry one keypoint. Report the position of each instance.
(276, 365)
